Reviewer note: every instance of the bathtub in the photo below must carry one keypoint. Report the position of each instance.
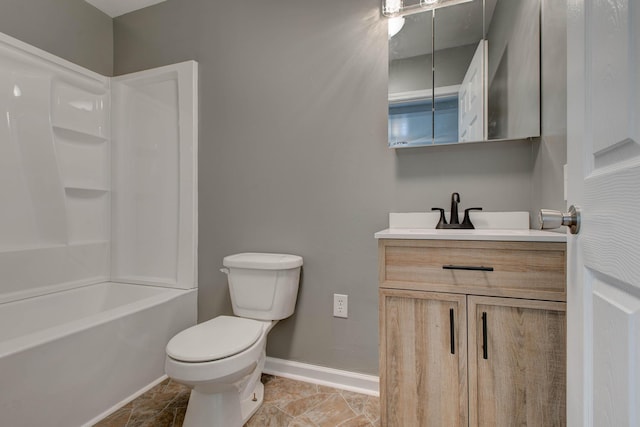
(72, 357)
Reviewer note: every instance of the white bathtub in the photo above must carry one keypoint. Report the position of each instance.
(69, 358)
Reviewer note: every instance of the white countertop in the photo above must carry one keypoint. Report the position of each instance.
(482, 234)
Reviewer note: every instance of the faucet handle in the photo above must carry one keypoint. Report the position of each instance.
(467, 221)
(443, 220)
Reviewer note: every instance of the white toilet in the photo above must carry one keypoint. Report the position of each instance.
(221, 360)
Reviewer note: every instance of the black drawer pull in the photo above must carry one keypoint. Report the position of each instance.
(467, 267)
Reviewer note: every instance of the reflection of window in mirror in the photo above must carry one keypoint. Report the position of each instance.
(410, 83)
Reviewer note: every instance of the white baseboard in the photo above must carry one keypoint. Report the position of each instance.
(344, 380)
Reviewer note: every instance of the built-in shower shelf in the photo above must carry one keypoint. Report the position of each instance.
(87, 214)
(78, 136)
(89, 189)
(87, 243)
(43, 247)
(29, 248)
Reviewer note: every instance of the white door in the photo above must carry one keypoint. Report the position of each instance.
(471, 99)
(603, 289)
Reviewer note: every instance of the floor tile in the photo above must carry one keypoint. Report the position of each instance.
(269, 416)
(372, 409)
(359, 421)
(300, 406)
(287, 403)
(331, 412)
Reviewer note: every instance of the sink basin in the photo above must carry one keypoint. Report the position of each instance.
(422, 222)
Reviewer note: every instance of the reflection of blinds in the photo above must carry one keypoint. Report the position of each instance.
(410, 123)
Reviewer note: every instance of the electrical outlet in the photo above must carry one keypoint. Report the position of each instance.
(340, 305)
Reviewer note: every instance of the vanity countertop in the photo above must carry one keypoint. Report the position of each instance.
(482, 234)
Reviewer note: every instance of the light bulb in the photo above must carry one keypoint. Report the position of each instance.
(391, 7)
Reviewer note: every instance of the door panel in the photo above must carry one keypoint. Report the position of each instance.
(609, 76)
(522, 379)
(422, 382)
(604, 172)
(611, 238)
(616, 333)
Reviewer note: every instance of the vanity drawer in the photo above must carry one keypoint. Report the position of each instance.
(534, 270)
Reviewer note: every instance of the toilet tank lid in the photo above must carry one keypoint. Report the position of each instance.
(262, 261)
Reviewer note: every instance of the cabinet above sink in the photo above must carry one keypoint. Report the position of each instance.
(464, 71)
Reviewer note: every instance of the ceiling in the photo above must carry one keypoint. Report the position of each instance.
(115, 8)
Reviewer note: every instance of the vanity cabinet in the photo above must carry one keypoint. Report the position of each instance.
(426, 348)
(480, 342)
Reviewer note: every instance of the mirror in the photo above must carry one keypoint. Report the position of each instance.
(483, 59)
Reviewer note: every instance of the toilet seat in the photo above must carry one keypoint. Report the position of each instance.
(215, 339)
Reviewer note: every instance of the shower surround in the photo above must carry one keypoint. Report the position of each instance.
(98, 232)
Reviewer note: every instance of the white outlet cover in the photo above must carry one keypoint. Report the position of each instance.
(115, 8)
(340, 305)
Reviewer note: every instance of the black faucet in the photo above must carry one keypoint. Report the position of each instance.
(454, 220)
(455, 199)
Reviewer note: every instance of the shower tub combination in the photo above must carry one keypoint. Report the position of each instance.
(83, 352)
(98, 233)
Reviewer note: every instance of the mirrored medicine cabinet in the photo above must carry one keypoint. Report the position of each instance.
(465, 72)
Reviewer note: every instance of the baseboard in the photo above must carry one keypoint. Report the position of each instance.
(344, 380)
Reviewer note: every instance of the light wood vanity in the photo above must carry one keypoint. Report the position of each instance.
(472, 332)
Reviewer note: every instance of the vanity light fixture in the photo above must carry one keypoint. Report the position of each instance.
(394, 8)
(391, 7)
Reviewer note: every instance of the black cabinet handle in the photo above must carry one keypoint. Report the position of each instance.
(452, 330)
(485, 352)
(466, 267)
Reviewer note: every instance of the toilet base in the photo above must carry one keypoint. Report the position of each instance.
(223, 409)
(250, 406)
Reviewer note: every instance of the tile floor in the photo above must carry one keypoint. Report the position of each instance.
(287, 403)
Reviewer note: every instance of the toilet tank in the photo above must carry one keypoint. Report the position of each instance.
(263, 286)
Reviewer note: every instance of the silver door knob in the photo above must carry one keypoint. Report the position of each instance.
(555, 219)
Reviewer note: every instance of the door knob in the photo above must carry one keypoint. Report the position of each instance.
(556, 219)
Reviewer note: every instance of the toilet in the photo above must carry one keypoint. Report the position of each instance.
(221, 360)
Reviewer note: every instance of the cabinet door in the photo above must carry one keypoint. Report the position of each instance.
(517, 362)
(423, 359)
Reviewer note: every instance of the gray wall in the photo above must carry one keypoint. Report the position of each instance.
(71, 29)
(551, 150)
(293, 156)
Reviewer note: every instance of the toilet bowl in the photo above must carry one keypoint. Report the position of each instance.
(221, 360)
